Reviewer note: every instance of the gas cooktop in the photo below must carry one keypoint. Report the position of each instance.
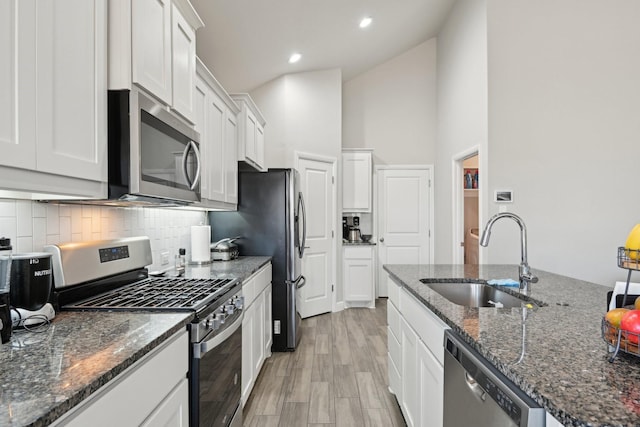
(159, 294)
(111, 275)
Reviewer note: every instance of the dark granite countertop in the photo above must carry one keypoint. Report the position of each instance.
(43, 375)
(369, 243)
(565, 367)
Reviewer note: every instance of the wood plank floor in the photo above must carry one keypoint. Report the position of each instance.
(336, 377)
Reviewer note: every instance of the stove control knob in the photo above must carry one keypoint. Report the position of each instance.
(229, 308)
(238, 302)
(218, 320)
(208, 323)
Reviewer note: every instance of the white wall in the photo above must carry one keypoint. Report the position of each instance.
(303, 113)
(392, 108)
(32, 225)
(462, 108)
(564, 130)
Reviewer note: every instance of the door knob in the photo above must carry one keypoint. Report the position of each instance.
(382, 240)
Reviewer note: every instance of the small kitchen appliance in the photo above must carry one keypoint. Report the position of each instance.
(111, 275)
(225, 249)
(5, 280)
(31, 286)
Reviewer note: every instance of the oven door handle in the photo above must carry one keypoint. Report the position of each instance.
(212, 343)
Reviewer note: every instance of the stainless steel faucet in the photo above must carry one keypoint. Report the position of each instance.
(526, 276)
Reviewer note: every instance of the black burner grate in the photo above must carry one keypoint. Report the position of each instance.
(159, 294)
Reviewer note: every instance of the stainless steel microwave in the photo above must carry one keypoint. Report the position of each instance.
(154, 157)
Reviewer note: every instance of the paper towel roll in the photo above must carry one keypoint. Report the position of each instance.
(200, 242)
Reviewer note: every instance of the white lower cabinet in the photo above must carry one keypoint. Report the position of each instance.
(256, 327)
(140, 396)
(416, 372)
(358, 276)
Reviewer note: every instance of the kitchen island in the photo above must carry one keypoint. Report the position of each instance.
(45, 374)
(564, 363)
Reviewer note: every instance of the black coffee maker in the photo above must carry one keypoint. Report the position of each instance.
(345, 228)
(5, 278)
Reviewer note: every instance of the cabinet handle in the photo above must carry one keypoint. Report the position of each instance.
(382, 240)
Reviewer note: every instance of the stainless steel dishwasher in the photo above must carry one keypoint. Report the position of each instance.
(476, 394)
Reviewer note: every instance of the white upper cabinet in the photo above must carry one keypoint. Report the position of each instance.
(216, 121)
(356, 180)
(152, 44)
(183, 42)
(53, 98)
(251, 125)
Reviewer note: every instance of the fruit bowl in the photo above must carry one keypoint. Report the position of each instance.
(628, 258)
(628, 340)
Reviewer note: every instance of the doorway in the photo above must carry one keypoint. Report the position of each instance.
(466, 196)
(317, 184)
(404, 218)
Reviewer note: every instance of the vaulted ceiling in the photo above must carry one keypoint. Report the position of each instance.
(246, 43)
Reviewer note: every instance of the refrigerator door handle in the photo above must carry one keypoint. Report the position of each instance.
(303, 214)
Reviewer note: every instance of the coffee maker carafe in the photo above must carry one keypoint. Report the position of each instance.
(354, 230)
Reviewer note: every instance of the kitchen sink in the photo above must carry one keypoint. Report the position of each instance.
(477, 294)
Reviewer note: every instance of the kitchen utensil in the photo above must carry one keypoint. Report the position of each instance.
(30, 280)
(365, 237)
(225, 249)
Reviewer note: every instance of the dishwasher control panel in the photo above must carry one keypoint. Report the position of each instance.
(484, 383)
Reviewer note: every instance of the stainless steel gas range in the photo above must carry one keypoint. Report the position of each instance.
(111, 275)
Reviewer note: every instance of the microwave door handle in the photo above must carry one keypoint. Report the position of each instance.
(196, 151)
(185, 161)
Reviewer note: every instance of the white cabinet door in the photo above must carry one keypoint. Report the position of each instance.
(214, 147)
(257, 347)
(54, 103)
(231, 158)
(183, 59)
(174, 410)
(410, 403)
(247, 352)
(358, 271)
(251, 152)
(358, 279)
(268, 331)
(151, 46)
(217, 124)
(430, 388)
(17, 84)
(356, 181)
(260, 146)
(251, 142)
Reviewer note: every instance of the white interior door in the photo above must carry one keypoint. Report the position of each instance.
(316, 296)
(405, 218)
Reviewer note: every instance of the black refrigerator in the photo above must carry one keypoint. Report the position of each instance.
(271, 222)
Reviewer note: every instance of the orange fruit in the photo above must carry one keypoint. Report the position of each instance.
(614, 316)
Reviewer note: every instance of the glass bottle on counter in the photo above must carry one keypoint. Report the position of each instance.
(180, 260)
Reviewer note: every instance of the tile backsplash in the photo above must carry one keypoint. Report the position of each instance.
(31, 225)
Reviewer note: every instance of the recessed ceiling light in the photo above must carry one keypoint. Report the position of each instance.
(366, 21)
(294, 58)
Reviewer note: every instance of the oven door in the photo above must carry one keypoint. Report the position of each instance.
(216, 377)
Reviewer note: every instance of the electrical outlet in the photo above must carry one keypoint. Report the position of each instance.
(164, 258)
(276, 327)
